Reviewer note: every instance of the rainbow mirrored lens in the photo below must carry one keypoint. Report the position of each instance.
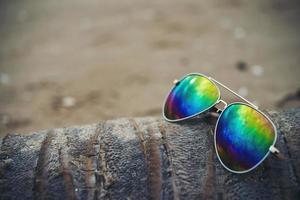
(243, 137)
(191, 95)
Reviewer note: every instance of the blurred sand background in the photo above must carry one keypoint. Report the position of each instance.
(67, 62)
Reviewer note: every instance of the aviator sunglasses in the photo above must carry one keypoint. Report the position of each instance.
(243, 137)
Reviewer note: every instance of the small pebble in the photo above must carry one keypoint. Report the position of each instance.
(241, 65)
(257, 70)
(243, 91)
(68, 102)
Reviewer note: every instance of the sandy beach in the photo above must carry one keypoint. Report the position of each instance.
(64, 63)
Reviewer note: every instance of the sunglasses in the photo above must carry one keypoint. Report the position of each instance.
(244, 136)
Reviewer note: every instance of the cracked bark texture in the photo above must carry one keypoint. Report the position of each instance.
(143, 158)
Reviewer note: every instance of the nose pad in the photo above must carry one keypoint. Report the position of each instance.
(219, 107)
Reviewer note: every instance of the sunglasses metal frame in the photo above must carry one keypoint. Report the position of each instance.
(272, 148)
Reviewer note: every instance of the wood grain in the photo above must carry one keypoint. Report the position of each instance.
(143, 158)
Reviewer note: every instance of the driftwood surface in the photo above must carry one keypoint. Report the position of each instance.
(143, 158)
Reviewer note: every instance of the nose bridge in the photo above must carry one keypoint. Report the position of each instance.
(219, 107)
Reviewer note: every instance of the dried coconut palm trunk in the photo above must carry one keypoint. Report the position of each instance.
(142, 158)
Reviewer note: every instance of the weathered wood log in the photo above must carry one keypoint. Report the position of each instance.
(143, 158)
